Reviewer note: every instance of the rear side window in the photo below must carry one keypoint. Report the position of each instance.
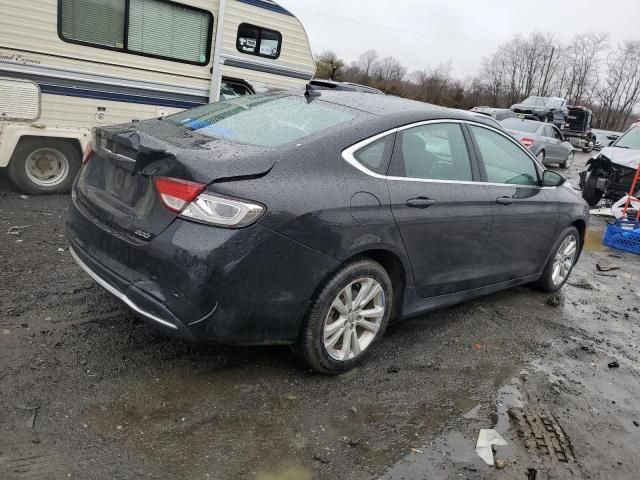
(436, 152)
(504, 161)
(264, 120)
(259, 41)
(154, 28)
(375, 155)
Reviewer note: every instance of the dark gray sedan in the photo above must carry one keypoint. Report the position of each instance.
(314, 219)
(544, 140)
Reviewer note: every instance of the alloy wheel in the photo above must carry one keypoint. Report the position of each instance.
(354, 319)
(564, 260)
(569, 161)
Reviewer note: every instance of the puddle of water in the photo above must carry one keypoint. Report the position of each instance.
(594, 240)
(292, 473)
(453, 454)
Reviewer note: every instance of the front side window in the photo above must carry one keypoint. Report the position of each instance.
(504, 161)
(153, 28)
(258, 41)
(264, 120)
(435, 152)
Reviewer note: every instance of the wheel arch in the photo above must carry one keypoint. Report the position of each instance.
(14, 135)
(581, 226)
(396, 267)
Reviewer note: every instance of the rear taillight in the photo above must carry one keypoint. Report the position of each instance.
(188, 200)
(527, 142)
(177, 194)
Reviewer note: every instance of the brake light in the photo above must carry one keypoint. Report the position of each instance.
(88, 153)
(527, 142)
(176, 194)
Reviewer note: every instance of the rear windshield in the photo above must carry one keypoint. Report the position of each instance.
(264, 120)
(520, 125)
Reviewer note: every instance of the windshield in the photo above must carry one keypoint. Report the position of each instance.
(263, 120)
(631, 139)
(555, 102)
(520, 125)
(535, 101)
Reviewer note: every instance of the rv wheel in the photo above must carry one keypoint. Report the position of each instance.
(43, 165)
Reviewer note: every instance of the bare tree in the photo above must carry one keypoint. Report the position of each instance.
(389, 70)
(366, 63)
(328, 65)
(621, 90)
(584, 55)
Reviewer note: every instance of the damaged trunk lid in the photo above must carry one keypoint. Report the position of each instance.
(116, 187)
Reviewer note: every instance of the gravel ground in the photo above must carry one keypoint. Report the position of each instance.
(88, 391)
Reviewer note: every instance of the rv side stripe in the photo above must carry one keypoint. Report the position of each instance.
(117, 93)
(258, 67)
(267, 6)
(115, 97)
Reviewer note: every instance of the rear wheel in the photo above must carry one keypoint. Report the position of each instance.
(43, 165)
(569, 160)
(563, 257)
(347, 318)
(590, 193)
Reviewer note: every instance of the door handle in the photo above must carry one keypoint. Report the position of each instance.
(420, 202)
(505, 200)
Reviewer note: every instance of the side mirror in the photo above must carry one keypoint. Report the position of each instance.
(552, 179)
(612, 142)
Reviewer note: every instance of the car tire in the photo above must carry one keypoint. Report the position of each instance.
(321, 344)
(569, 160)
(563, 258)
(541, 156)
(43, 166)
(590, 193)
(589, 149)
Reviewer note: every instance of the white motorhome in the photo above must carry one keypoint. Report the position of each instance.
(69, 65)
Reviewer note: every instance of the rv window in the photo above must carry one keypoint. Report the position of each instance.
(168, 30)
(154, 28)
(232, 90)
(100, 22)
(258, 41)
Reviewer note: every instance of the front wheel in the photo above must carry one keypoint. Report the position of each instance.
(590, 193)
(561, 262)
(569, 161)
(44, 165)
(347, 318)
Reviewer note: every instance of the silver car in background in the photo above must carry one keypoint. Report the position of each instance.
(544, 140)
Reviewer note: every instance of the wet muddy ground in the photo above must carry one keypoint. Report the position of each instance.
(88, 391)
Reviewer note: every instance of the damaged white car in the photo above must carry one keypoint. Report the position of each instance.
(610, 174)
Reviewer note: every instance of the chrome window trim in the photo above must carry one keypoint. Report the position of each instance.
(113, 291)
(348, 154)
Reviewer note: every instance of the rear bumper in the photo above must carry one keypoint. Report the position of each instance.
(157, 314)
(204, 284)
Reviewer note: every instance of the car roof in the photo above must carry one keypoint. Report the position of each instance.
(396, 109)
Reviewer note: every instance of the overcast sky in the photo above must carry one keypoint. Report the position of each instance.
(426, 33)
